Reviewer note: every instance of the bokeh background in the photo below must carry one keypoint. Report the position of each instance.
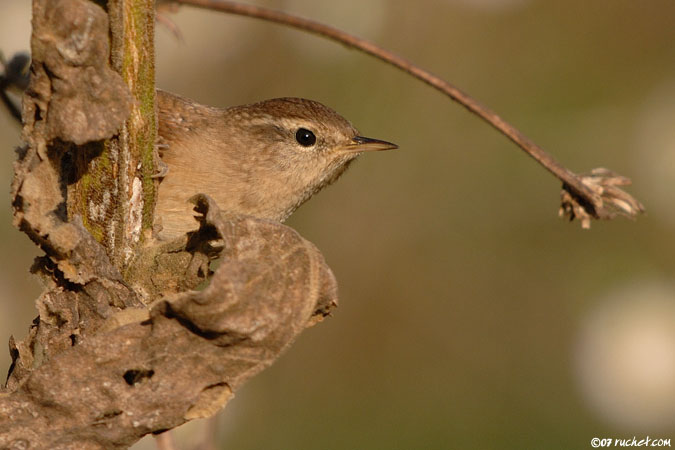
(470, 315)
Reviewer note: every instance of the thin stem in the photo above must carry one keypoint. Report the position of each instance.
(13, 75)
(571, 180)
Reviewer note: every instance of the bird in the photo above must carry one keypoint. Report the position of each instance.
(263, 159)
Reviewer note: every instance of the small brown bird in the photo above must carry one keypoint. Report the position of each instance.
(264, 159)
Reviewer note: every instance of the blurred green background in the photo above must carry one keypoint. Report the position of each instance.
(470, 315)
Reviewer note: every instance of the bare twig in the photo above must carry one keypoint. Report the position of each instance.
(583, 194)
(13, 76)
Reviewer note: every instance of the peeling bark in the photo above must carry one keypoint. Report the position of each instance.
(142, 369)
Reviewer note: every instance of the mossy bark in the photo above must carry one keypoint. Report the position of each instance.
(115, 195)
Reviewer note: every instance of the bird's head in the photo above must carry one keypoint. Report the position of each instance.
(302, 142)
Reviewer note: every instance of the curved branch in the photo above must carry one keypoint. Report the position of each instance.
(584, 196)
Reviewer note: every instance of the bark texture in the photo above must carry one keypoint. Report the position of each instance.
(100, 369)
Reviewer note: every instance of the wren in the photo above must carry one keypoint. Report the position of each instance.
(264, 159)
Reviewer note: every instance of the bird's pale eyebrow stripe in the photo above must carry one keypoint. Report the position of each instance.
(262, 128)
(259, 122)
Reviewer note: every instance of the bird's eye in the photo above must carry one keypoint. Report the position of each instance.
(305, 137)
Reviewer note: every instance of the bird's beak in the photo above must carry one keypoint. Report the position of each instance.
(360, 144)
